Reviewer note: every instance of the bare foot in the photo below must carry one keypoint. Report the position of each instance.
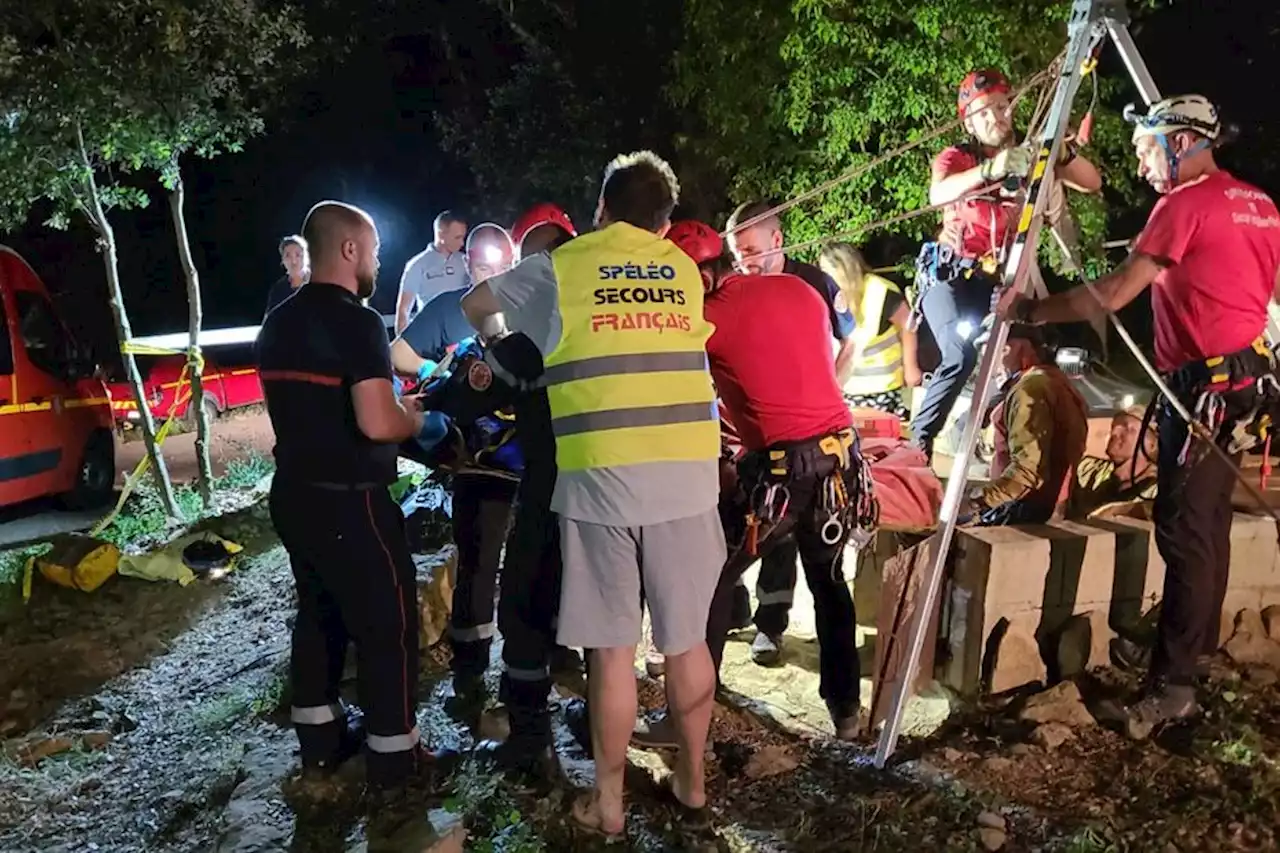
(691, 794)
(591, 814)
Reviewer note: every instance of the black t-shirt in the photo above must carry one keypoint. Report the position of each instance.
(312, 349)
(841, 319)
(279, 292)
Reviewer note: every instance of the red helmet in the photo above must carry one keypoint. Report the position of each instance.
(541, 214)
(988, 81)
(698, 241)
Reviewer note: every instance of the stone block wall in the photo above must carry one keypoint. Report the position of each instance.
(1024, 603)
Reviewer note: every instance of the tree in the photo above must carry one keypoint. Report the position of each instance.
(782, 95)
(59, 100)
(538, 122)
(203, 72)
(141, 83)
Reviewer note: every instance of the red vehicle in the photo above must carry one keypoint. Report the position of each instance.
(55, 414)
(224, 389)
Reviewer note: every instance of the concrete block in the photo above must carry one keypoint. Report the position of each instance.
(1254, 554)
(1138, 582)
(1013, 657)
(1080, 574)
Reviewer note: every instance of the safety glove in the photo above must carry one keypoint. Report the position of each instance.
(1010, 161)
(435, 426)
(428, 367)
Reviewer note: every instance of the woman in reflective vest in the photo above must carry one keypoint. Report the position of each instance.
(884, 346)
(628, 382)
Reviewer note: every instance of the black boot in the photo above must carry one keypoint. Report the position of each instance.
(327, 747)
(578, 720)
(1161, 703)
(528, 755)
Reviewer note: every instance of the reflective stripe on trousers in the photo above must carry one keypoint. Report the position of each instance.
(393, 743)
(472, 635)
(316, 715)
(529, 674)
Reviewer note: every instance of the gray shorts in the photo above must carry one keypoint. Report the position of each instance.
(679, 561)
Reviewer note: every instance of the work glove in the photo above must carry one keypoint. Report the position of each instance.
(1010, 161)
(435, 426)
(428, 367)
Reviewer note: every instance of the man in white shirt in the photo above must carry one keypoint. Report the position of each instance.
(439, 268)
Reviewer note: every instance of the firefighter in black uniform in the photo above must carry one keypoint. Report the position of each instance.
(326, 373)
(483, 488)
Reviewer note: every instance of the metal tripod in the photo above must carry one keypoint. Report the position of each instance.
(1091, 22)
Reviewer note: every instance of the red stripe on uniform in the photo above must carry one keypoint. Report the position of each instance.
(410, 722)
(300, 376)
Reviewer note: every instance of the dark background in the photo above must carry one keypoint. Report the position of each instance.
(361, 131)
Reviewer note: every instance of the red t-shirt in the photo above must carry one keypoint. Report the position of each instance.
(771, 360)
(976, 227)
(1221, 239)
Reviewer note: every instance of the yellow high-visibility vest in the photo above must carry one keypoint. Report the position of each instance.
(628, 382)
(879, 368)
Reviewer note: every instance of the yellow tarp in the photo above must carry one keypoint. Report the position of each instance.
(166, 564)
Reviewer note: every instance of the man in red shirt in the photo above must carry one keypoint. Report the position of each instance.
(774, 371)
(956, 274)
(1211, 254)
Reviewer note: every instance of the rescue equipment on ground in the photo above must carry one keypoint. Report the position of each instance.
(204, 556)
(79, 562)
(169, 562)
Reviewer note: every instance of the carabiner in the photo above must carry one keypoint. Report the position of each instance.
(832, 531)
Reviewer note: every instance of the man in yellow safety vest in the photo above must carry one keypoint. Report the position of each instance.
(617, 315)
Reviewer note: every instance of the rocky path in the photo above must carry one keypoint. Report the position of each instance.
(147, 717)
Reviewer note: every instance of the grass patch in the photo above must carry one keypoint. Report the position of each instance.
(491, 816)
(13, 562)
(1243, 751)
(1089, 841)
(245, 472)
(143, 514)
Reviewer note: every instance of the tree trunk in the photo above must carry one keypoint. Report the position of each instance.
(177, 200)
(98, 218)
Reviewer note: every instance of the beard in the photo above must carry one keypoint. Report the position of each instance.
(366, 283)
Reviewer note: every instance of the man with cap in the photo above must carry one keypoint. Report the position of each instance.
(957, 273)
(1210, 252)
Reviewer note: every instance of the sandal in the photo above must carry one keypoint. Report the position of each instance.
(587, 819)
(695, 818)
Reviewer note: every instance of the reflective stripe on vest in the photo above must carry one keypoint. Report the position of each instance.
(879, 368)
(628, 382)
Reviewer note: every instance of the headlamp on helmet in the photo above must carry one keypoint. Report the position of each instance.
(489, 244)
(1182, 112)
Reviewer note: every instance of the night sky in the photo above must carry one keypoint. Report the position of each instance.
(362, 132)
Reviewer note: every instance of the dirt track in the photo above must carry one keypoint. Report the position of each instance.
(234, 434)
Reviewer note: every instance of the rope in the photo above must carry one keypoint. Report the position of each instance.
(1038, 79)
(180, 396)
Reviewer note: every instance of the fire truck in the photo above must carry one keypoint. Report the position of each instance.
(55, 411)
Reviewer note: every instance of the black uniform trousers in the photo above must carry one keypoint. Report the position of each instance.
(356, 583)
(1192, 515)
(529, 604)
(823, 566)
(481, 513)
(775, 586)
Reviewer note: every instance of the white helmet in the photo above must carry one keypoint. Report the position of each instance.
(1181, 112)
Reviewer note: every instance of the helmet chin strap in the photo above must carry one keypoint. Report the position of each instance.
(1174, 158)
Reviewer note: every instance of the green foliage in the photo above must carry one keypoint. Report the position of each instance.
(489, 812)
(785, 94)
(14, 562)
(245, 472)
(91, 88)
(143, 514)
